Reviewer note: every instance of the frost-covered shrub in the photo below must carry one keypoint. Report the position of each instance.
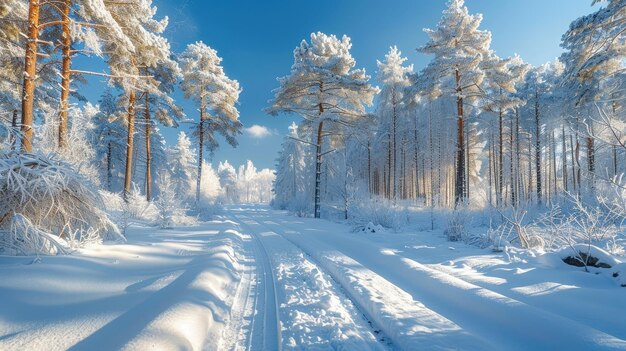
(46, 195)
(379, 211)
(455, 230)
(138, 207)
(23, 238)
(112, 201)
(171, 209)
(80, 152)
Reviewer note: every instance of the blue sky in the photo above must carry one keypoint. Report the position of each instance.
(256, 40)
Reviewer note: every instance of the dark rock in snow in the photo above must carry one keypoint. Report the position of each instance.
(579, 261)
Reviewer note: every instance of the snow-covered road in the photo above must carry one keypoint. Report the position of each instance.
(259, 279)
(424, 306)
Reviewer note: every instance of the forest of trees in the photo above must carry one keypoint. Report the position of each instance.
(470, 129)
(63, 156)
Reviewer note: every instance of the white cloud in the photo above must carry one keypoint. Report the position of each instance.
(258, 132)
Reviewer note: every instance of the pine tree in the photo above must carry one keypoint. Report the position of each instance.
(206, 83)
(390, 109)
(459, 49)
(323, 87)
(182, 165)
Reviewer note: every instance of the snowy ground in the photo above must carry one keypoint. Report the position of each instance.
(258, 279)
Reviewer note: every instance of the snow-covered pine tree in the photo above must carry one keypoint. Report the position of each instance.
(459, 48)
(289, 184)
(539, 90)
(394, 77)
(108, 139)
(206, 83)
(323, 88)
(595, 46)
(228, 181)
(183, 165)
(160, 82)
(502, 77)
(143, 47)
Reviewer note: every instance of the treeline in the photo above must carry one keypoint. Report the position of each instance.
(470, 128)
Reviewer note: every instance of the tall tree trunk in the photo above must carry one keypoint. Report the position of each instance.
(500, 157)
(511, 170)
(538, 147)
(65, 74)
(318, 165)
(431, 154)
(530, 167)
(148, 153)
(30, 72)
(578, 168)
(369, 167)
(467, 162)
(572, 147)
(517, 177)
(554, 172)
(394, 173)
(200, 145)
(129, 144)
(489, 169)
(459, 182)
(564, 146)
(388, 190)
(415, 151)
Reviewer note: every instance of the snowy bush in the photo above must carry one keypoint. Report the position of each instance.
(455, 231)
(171, 209)
(81, 153)
(23, 238)
(112, 201)
(379, 211)
(42, 196)
(138, 207)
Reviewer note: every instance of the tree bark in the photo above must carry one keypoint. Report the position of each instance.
(200, 145)
(129, 144)
(564, 159)
(66, 41)
(538, 147)
(148, 153)
(459, 188)
(394, 173)
(511, 170)
(318, 165)
(415, 160)
(30, 72)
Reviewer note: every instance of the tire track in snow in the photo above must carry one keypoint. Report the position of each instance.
(500, 319)
(272, 331)
(409, 324)
(381, 340)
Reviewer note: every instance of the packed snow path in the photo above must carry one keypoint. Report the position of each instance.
(259, 279)
(419, 306)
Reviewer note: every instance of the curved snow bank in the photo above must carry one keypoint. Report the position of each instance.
(163, 290)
